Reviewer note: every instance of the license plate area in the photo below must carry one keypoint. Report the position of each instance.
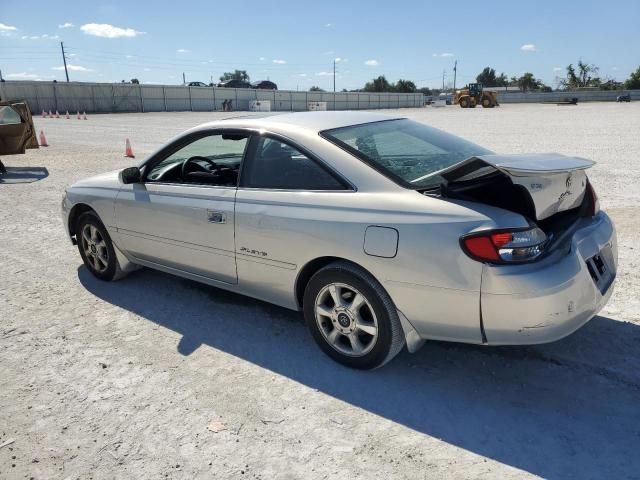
(599, 267)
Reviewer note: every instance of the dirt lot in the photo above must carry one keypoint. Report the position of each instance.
(122, 380)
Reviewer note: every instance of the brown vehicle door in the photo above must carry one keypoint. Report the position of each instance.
(17, 132)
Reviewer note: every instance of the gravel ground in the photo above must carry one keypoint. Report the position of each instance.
(159, 377)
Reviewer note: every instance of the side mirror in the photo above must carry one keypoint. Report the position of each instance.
(130, 175)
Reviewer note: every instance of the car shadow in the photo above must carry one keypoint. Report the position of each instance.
(563, 410)
(23, 174)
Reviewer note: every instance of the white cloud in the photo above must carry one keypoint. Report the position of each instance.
(73, 68)
(108, 31)
(329, 52)
(262, 59)
(329, 25)
(24, 76)
(372, 63)
(71, 55)
(444, 54)
(279, 62)
(557, 69)
(324, 74)
(66, 25)
(7, 28)
(146, 69)
(528, 47)
(302, 74)
(34, 37)
(182, 50)
(128, 56)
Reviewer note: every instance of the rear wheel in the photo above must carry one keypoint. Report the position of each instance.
(465, 102)
(96, 248)
(486, 102)
(351, 317)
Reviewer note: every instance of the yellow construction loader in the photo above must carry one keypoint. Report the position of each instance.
(475, 95)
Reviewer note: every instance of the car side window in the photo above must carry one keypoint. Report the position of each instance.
(8, 116)
(210, 160)
(278, 165)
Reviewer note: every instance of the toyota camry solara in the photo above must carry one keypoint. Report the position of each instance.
(382, 230)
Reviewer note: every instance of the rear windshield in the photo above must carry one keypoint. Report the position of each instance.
(406, 151)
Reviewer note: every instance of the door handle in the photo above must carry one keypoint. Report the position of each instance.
(216, 217)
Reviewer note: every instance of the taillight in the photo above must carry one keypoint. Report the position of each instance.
(594, 204)
(505, 246)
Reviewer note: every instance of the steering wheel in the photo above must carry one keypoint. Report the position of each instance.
(183, 170)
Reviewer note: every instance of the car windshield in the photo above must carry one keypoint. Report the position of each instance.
(407, 151)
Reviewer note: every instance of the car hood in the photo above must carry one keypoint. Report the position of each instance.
(554, 182)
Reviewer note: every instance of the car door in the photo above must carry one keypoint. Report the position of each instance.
(17, 132)
(286, 209)
(184, 219)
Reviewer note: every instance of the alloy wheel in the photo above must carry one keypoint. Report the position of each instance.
(346, 319)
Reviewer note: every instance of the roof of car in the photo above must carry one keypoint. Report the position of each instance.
(313, 121)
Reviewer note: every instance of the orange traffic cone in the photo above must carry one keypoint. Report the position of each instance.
(78, 116)
(44, 114)
(68, 117)
(51, 116)
(43, 139)
(57, 114)
(128, 152)
(85, 115)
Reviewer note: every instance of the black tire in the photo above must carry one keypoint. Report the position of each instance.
(486, 102)
(465, 102)
(390, 336)
(112, 270)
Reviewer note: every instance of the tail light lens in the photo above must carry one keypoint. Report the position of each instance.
(594, 203)
(505, 246)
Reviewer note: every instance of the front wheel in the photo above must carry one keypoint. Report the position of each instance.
(96, 249)
(351, 316)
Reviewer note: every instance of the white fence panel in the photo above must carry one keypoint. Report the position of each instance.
(120, 97)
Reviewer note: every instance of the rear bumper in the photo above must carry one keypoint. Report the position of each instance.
(548, 300)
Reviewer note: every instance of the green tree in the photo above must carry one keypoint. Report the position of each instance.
(235, 75)
(633, 82)
(527, 82)
(316, 89)
(405, 86)
(380, 84)
(135, 81)
(488, 78)
(584, 76)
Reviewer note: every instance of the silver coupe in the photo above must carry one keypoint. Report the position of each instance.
(382, 230)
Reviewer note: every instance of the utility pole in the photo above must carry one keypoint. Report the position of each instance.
(184, 81)
(455, 72)
(1, 79)
(334, 76)
(64, 60)
(443, 74)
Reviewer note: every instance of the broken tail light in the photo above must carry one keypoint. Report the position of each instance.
(594, 203)
(505, 246)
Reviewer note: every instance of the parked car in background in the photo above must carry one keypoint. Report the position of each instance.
(264, 85)
(385, 232)
(234, 84)
(17, 132)
(624, 98)
(197, 84)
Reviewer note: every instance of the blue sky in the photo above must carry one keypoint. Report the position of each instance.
(294, 43)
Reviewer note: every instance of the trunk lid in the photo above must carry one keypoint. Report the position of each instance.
(553, 183)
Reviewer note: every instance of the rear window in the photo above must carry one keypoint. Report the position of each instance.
(406, 151)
